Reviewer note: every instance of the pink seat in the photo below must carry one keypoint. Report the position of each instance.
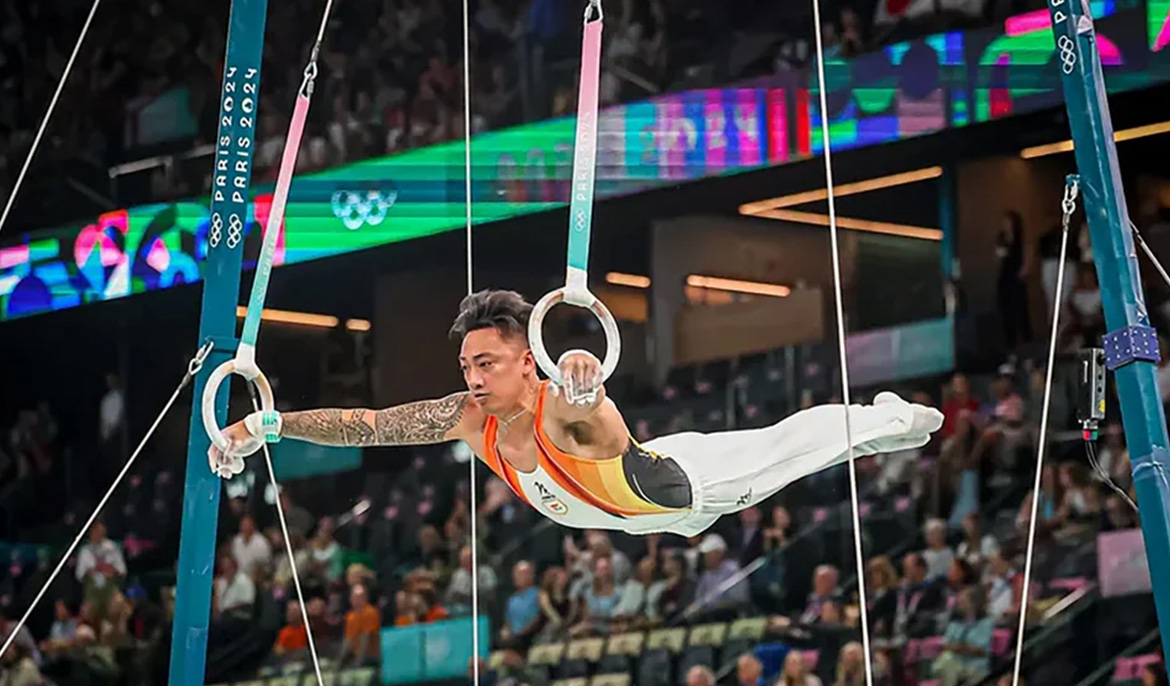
(1124, 670)
(902, 504)
(1001, 641)
(820, 514)
(931, 647)
(913, 648)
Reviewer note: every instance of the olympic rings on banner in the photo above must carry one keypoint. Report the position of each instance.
(356, 209)
(1068, 55)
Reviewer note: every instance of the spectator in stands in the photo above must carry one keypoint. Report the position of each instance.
(675, 593)
(711, 591)
(1081, 506)
(750, 539)
(292, 637)
(324, 553)
(282, 575)
(918, 599)
(749, 671)
(966, 652)
(1004, 586)
(522, 615)
(599, 546)
(959, 406)
(362, 626)
(1087, 319)
(1154, 674)
(1118, 514)
(62, 632)
(795, 672)
(433, 553)
(881, 595)
(600, 598)
(458, 596)
(1012, 289)
(630, 612)
(556, 607)
(250, 549)
(235, 593)
(18, 668)
(825, 589)
(976, 547)
(111, 429)
(298, 519)
(1006, 436)
(937, 554)
(776, 536)
(700, 675)
(24, 637)
(100, 569)
(850, 665)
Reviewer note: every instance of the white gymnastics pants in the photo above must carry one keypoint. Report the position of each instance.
(733, 470)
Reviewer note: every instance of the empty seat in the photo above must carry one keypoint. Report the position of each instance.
(654, 669)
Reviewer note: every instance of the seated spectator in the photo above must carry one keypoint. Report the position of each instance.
(235, 592)
(937, 555)
(881, 595)
(976, 546)
(631, 607)
(298, 519)
(458, 595)
(711, 593)
(293, 637)
(556, 607)
(600, 597)
(749, 671)
(251, 550)
(795, 672)
(433, 553)
(700, 675)
(24, 637)
(825, 589)
(522, 613)
(672, 594)
(100, 569)
(1004, 586)
(850, 665)
(408, 609)
(63, 631)
(1154, 674)
(362, 629)
(282, 576)
(918, 599)
(1080, 507)
(18, 668)
(966, 652)
(324, 553)
(750, 543)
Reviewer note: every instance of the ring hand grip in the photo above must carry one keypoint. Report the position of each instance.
(221, 373)
(578, 298)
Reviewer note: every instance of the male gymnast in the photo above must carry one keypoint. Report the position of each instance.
(566, 450)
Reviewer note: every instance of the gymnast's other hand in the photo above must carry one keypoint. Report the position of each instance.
(240, 442)
(581, 378)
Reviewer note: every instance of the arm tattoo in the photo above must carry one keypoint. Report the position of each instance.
(426, 421)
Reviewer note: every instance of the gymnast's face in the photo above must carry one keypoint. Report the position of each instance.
(498, 369)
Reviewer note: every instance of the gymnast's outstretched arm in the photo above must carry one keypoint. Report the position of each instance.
(417, 423)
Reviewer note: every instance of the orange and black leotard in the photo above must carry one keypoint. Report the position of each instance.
(636, 482)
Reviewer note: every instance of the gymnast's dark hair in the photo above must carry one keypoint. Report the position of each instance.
(505, 311)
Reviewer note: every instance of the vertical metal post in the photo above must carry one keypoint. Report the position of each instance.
(221, 292)
(1131, 344)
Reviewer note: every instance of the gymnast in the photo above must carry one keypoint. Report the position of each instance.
(564, 447)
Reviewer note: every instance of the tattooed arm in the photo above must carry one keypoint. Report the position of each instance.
(417, 423)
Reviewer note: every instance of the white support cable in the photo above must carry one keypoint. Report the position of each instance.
(838, 291)
(292, 558)
(48, 114)
(1068, 206)
(472, 514)
(193, 368)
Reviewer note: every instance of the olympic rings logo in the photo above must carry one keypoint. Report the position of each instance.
(1068, 56)
(356, 209)
(235, 231)
(216, 233)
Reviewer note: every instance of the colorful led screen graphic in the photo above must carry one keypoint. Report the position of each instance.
(908, 89)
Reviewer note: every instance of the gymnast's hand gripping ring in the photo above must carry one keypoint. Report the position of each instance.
(578, 297)
(244, 364)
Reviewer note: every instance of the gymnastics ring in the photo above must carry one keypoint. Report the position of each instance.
(579, 298)
(222, 372)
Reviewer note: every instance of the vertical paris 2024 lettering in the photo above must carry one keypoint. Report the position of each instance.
(234, 152)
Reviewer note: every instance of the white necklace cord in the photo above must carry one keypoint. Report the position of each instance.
(1068, 205)
(838, 291)
(472, 514)
(48, 114)
(193, 368)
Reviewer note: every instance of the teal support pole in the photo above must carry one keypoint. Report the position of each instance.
(948, 218)
(221, 292)
(1131, 348)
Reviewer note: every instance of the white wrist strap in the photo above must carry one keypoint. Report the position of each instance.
(265, 425)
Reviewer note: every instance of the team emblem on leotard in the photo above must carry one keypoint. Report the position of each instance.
(550, 502)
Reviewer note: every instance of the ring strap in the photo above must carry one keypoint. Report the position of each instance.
(585, 155)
